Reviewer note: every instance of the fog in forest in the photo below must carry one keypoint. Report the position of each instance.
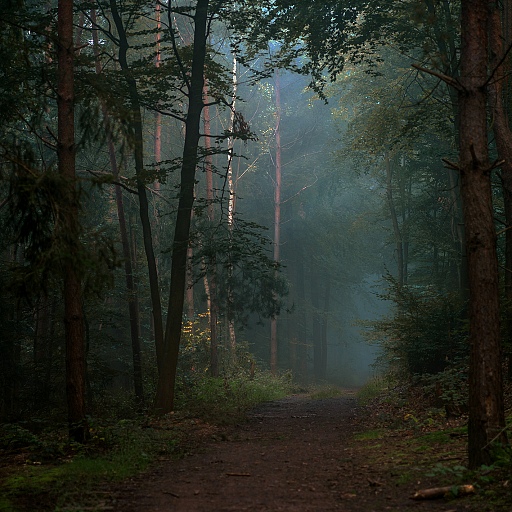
(308, 202)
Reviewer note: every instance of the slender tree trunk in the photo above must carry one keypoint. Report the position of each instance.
(133, 301)
(73, 314)
(277, 217)
(158, 115)
(302, 345)
(394, 219)
(231, 213)
(325, 325)
(212, 274)
(164, 400)
(137, 141)
(316, 322)
(486, 409)
(41, 350)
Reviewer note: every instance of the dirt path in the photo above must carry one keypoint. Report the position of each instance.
(295, 454)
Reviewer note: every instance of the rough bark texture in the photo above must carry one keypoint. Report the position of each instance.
(73, 314)
(499, 32)
(164, 399)
(486, 412)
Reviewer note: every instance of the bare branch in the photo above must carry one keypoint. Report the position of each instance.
(445, 78)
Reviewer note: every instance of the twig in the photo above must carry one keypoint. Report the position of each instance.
(171, 493)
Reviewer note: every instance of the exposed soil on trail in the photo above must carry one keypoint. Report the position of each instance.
(295, 454)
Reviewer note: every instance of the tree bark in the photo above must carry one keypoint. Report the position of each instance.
(164, 400)
(486, 409)
(499, 32)
(73, 314)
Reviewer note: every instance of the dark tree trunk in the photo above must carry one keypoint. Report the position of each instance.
(486, 409)
(137, 141)
(133, 301)
(499, 32)
(164, 400)
(73, 314)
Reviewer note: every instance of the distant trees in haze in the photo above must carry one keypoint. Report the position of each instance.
(163, 134)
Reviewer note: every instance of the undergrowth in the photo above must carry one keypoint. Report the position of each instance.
(47, 472)
(430, 442)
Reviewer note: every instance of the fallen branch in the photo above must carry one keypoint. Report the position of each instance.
(238, 474)
(442, 492)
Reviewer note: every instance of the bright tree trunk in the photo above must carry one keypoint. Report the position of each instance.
(212, 273)
(73, 314)
(277, 218)
(231, 213)
(486, 409)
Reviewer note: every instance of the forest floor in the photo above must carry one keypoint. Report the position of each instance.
(302, 454)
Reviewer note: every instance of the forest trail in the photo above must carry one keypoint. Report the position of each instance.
(295, 454)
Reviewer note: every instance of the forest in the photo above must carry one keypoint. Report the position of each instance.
(205, 199)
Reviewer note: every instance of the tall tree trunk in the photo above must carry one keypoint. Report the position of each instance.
(486, 409)
(212, 273)
(316, 321)
(499, 31)
(231, 213)
(302, 344)
(73, 314)
(277, 217)
(158, 115)
(137, 142)
(164, 400)
(133, 301)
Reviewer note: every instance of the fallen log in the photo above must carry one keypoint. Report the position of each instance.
(442, 492)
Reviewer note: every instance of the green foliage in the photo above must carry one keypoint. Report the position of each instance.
(456, 471)
(423, 335)
(372, 389)
(115, 452)
(15, 436)
(226, 401)
(326, 391)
